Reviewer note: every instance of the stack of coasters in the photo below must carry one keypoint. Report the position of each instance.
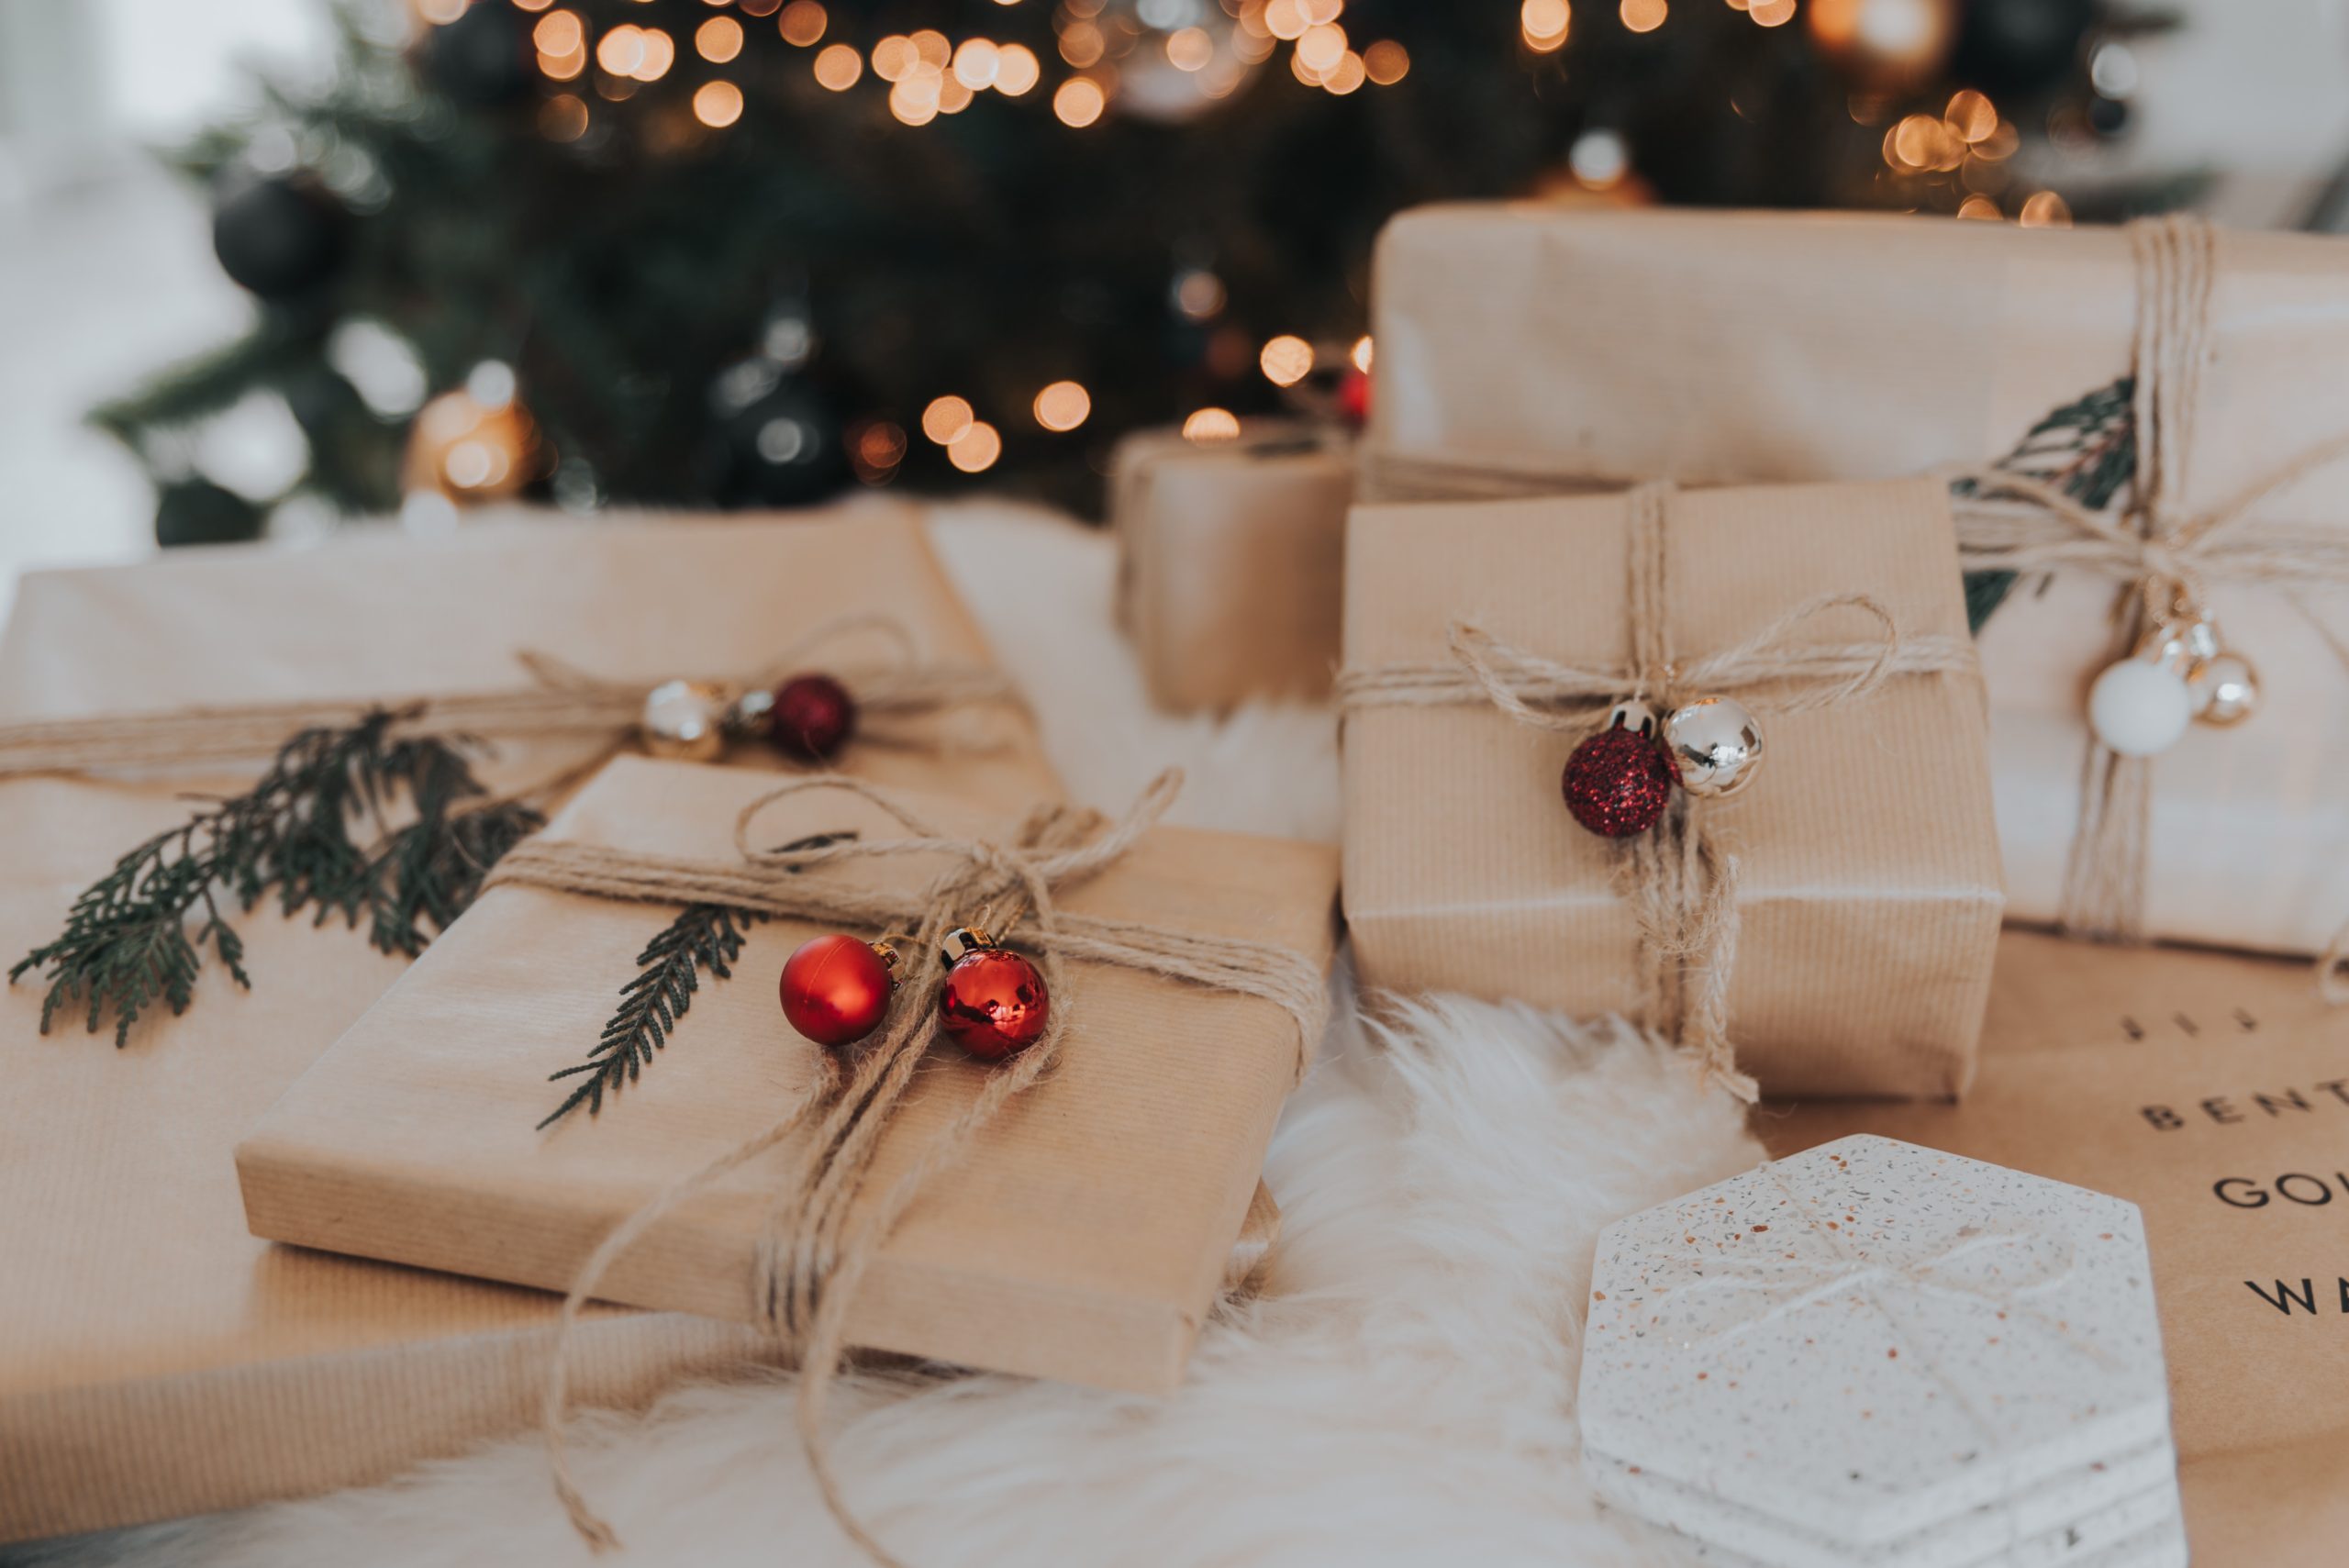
(1876, 1354)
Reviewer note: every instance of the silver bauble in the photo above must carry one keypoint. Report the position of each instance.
(1715, 745)
(685, 721)
(2225, 689)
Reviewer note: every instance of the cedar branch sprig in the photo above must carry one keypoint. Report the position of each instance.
(2087, 448)
(137, 936)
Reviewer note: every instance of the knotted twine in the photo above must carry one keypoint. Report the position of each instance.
(1678, 878)
(810, 1258)
(560, 700)
(2164, 558)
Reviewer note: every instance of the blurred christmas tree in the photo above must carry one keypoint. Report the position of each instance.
(690, 253)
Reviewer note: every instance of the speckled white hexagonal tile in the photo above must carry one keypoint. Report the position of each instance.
(1874, 1352)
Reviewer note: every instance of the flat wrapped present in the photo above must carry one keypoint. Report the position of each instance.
(1867, 900)
(1523, 344)
(1230, 561)
(155, 1358)
(2209, 1090)
(1082, 1236)
(1875, 1353)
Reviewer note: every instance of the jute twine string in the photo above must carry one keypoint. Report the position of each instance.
(560, 700)
(814, 1246)
(1679, 880)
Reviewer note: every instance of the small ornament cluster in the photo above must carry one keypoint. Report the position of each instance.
(1618, 782)
(808, 719)
(992, 1003)
(2180, 673)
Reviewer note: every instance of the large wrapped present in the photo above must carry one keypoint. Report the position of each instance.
(155, 1357)
(2209, 1091)
(1840, 907)
(2162, 377)
(1230, 561)
(1081, 1232)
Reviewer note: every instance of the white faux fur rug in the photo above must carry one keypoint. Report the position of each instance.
(1401, 1392)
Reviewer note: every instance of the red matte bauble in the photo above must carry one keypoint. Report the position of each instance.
(993, 1003)
(812, 718)
(1353, 398)
(835, 989)
(1618, 782)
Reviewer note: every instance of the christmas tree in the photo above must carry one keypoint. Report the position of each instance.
(688, 253)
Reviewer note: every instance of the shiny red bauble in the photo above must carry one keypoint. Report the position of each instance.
(1618, 782)
(836, 989)
(813, 716)
(993, 1003)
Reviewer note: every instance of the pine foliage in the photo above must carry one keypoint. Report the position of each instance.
(2087, 448)
(703, 936)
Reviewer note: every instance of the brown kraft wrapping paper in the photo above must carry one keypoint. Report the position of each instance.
(2214, 1092)
(1231, 559)
(1083, 1238)
(155, 1358)
(1868, 889)
(1737, 347)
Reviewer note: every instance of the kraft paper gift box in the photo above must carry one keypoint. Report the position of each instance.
(2213, 1091)
(1528, 345)
(1083, 1235)
(1868, 894)
(155, 1358)
(1230, 561)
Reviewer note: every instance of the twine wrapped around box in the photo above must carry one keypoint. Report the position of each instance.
(1680, 880)
(809, 1258)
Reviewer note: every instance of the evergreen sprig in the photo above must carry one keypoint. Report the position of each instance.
(2087, 448)
(138, 934)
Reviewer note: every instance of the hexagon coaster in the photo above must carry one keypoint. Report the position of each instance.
(1874, 1353)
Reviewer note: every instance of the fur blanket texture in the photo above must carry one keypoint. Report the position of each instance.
(1401, 1391)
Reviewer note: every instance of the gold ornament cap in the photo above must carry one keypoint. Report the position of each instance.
(961, 942)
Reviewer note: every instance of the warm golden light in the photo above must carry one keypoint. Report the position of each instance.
(1190, 49)
(1017, 70)
(932, 49)
(975, 450)
(1771, 13)
(953, 96)
(1348, 75)
(1210, 425)
(1082, 45)
(893, 57)
(563, 118)
(2046, 209)
(558, 33)
(838, 66)
(1971, 115)
(946, 417)
(717, 103)
(1287, 18)
(1386, 62)
(659, 53)
(913, 99)
(718, 40)
(563, 67)
(1643, 16)
(1079, 102)
(977, 63)
(753, 7)
(1361, 355)
(1198, 294)
(441, 13)
(1544, 24)
(1286, 359)
(1923, 141)
(532, 5)
(621, 50)
(1979, 207)
(1323, 45)
(802, 23)
(1062, 406)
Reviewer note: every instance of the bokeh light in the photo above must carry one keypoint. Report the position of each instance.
(1062, 405)
(838, 66)
(1207, 426)
(946, 417)
(718, 40)
(802, 23)
(1079, 102)
(975, 450)
(717, 103)
(1286, 359)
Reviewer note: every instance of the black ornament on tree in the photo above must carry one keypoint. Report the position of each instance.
(482, 59)
(784, 449)
(2020, 46)
(198, 511)
(280, 237)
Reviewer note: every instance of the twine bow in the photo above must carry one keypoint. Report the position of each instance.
(1680, 881)
(813, 1248)
(560, 700)
(2165, 560)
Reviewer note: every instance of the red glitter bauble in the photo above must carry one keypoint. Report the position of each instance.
(1618, 782)
(993, 1003)
(836, 989)
(812, 718)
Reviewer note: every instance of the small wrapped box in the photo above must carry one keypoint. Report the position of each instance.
(1230, 561)
(1875, 1353)
(1530, 346)
(2208, 1090)
(1082, 1236)
(157, 1359)
(1867, 900)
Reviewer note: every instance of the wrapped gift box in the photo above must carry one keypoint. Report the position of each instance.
(155, 1358)
(1868, 892)
(1876, 1354)
(1082, 1237)
(1535, 345)
(1230, 561)
(2210, 1091)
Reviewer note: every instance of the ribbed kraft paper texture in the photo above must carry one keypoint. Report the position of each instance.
(1868, 889)
(1083, 1238)
(155, 1358)
(2213, 1091)
(1733, 348)
(1230, 561)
